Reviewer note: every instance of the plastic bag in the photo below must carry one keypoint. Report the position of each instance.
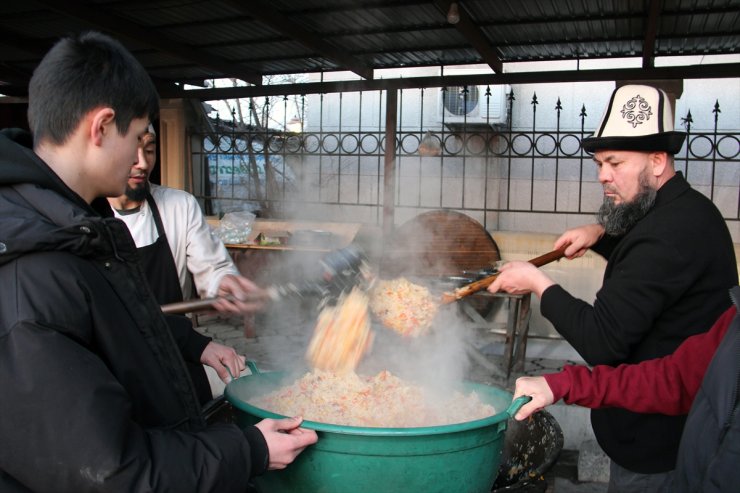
(235, 227)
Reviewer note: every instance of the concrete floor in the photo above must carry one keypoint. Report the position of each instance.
(283, 332)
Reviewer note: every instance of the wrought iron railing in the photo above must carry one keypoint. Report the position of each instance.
(487, 170)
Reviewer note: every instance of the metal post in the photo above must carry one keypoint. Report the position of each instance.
(389, 168)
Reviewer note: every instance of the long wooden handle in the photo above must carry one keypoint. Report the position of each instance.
(481, 284)
(190, 306)
(204, 304)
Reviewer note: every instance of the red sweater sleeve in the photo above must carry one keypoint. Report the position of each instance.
(663, 385)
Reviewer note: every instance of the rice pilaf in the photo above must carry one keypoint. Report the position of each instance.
(383, 400)
(403, 306)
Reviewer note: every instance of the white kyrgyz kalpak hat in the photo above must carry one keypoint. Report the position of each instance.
(638, 118)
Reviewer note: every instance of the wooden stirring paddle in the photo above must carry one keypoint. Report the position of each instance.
(409, 309)
(482, 284)
(342, 334)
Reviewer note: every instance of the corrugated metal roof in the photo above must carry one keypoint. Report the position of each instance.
(187, 41)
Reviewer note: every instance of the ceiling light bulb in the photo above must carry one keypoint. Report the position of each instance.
(453, 15)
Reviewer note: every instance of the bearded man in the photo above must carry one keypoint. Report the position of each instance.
(670, 264)
(176, 250)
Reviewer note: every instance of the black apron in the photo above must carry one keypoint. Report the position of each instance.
(161, 270)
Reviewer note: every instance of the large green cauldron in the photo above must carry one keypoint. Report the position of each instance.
(460, 458)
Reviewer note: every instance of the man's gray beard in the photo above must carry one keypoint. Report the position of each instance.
(617, 219)
(137, 194)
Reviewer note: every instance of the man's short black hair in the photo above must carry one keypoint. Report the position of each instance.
(81, 73)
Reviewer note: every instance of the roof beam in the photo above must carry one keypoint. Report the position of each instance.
(101, 18)
(711, 71)
(33, 46)
(13, 74)
(651, 31)
(473, 35)
(265, 13)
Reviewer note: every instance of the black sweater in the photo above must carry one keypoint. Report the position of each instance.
(665, 280)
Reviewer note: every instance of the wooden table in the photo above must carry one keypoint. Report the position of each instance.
(268, 265)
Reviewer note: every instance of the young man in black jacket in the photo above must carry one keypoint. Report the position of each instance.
(670, 261)
(95, 394)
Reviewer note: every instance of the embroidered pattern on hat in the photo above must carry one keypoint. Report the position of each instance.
(636, 111)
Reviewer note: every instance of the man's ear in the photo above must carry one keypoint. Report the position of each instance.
(102, 123)
(658, 162)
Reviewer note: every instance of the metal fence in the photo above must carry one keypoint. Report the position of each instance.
(511, 165)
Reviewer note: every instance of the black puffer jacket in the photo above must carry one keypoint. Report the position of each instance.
(95, 396)
(709, 455)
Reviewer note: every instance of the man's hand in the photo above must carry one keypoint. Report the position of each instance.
(579, 240)
(535, 387)
(520, 278)
(220, 357)
(246, 296)
(285, 440)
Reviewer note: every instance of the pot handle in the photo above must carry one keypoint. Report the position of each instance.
(253, 367)
(517, 404)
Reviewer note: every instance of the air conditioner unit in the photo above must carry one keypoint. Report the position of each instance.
(473, 105)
